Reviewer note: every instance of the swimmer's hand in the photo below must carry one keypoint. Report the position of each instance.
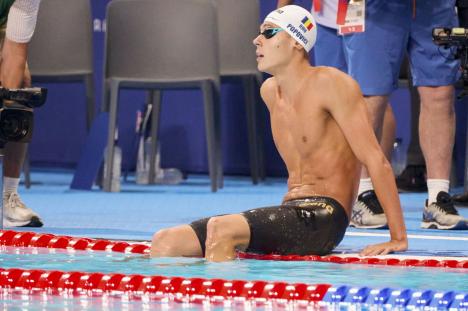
(385, 248)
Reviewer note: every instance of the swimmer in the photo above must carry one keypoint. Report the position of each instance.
(321, 129)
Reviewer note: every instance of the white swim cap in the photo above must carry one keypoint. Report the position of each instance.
(296, 21)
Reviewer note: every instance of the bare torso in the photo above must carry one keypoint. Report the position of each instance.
(319, 160)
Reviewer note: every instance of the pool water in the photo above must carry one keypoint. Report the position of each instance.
(10, 300)
(375, 276)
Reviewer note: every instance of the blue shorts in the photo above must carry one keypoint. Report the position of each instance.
(374, 57)
(328, 49)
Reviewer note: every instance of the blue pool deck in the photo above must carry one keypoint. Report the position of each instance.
(139, 210)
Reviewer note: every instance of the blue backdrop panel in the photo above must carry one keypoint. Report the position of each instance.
(60, 133)
(92, 155)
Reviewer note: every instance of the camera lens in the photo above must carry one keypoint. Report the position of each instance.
(16, 125)
(14, 128)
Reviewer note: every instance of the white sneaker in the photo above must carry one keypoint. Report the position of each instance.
(17, 214)
(367, 212)
(443, 215)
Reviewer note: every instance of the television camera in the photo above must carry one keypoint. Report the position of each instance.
(457, 40)
(16, 113)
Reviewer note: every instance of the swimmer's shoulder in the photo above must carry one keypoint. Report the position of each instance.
(268, 91)
(332, 79)
(327, 74)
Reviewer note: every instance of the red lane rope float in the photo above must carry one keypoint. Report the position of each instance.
(31, 239)
(407, 262)
(159, 287)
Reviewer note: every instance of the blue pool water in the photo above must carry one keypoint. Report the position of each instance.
(287, 271)
(20, 301)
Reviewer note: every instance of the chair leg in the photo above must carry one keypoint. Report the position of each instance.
(154, 99)
(249, 99)
(217, 118)
(26, 171)
(210, 131)
(109, 159)
(90, 106)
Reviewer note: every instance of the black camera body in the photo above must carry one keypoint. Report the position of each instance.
(16, 113)
(448, 37)
(456, 39)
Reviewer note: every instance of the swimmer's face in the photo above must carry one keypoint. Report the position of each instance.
(274, 46)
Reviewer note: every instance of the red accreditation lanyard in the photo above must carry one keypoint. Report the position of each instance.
(341, 14)
(317, 5)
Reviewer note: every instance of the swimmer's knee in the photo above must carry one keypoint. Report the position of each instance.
(217, 231)
(161, 235)
(163, 243)
(226, 233)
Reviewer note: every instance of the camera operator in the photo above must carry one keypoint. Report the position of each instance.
(17, 23)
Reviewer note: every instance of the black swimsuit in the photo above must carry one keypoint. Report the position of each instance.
(309, 226)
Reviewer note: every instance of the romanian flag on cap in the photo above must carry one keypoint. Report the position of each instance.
(307, 23)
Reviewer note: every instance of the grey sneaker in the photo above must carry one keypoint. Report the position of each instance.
(443, 215)
(17, 214)
(368, 213)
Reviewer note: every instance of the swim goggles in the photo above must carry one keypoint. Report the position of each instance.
(270, 32)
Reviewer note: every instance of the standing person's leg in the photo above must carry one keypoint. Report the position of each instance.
(15, 153)
(434, 74)
(437, 135)
(377, 107)
(367, 212)
(437, 131)
(381, 117)
(387, 139)
(15, 74)
(413, 177)
(374, 59)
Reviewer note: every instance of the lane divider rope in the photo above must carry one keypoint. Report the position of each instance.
(197, 290)
(219, 291)
(32, 239)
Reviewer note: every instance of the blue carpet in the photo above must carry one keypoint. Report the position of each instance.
(138, 211)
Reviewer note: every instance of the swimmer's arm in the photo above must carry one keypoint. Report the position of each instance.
(267, 91)
(282, 3)
(348, 108)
